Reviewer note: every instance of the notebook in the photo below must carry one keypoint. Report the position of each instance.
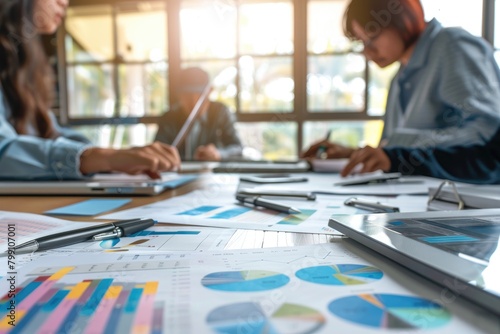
(101, 184)
(457, 249)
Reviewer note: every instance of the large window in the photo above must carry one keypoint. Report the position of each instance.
(282, 66)
(116, 70)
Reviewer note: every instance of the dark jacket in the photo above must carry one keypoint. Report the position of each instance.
(216, 127)
(478, 164)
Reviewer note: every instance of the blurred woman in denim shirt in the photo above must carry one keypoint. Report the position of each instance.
(32, 144)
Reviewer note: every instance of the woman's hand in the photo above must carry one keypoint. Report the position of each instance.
(327, 150)
(372, 159)
(151, 160)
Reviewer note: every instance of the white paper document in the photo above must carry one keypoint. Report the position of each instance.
(159, 238)
(224, 211)
(23, 227)
(315, 289)
(324, 184)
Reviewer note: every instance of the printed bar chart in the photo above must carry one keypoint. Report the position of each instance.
(47, 305)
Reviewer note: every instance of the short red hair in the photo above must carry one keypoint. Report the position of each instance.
(406, 16)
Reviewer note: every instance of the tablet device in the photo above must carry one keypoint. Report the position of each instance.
(457, 249)
(193, 115)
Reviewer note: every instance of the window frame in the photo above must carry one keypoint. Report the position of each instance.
(299, 114)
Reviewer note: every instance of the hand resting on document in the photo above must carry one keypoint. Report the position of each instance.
(365, 160)
(150, 160)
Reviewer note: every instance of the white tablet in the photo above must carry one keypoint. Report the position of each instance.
(457, 249)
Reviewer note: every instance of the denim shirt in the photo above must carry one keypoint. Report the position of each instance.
(26, 157)
(447, 94)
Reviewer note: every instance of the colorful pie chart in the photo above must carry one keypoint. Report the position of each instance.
(341, 274)
(250, 318)
(245, 281)
(390, 311)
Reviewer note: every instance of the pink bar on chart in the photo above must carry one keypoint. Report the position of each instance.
(99, 320)
(54, 321)
(144, 317)
(31, 300)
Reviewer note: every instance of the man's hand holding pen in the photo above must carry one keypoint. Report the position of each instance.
(327, 150)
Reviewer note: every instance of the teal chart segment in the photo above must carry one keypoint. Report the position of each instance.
(341, 274)
(245, 281)
(390, 311)
(250, 318)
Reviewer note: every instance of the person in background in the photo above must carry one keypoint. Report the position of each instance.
(213, 136)
(446, 91)
(32, 144)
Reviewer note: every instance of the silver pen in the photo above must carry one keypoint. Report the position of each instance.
(265, 203)
(310, 196)
(370, 206)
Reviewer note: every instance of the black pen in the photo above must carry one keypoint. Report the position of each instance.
(99, 232)
(265, 203)
(370, 206)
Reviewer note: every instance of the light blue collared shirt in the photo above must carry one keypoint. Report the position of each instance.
(448, 93)
(26, 157)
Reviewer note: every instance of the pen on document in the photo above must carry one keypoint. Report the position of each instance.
(265, 203)
(310, 196)
(386, 178)
(370, 206)
(99, 232)
(377, 182)
(321, 152)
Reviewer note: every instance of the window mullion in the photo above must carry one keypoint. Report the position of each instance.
(116, 62)
(300, 68)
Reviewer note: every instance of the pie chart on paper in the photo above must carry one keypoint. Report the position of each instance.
(340, 274)
(245, 281)
(250, 318)
(390, 311)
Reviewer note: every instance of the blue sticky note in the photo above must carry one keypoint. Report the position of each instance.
(89, 207)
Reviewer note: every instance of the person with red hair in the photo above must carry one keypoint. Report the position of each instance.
(446, 92)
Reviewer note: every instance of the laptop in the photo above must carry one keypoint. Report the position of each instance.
(457, 249)
(101, 184)
(262, 166)
(246, 166)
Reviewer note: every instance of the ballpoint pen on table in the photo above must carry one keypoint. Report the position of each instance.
(373, 178)
(310, 196)
(265, 203)
(94, 232)
(370, 206)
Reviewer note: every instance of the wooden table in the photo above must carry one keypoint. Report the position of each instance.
(40, 204)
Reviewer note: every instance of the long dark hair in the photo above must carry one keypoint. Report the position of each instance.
(406, 16)
(25, 74)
